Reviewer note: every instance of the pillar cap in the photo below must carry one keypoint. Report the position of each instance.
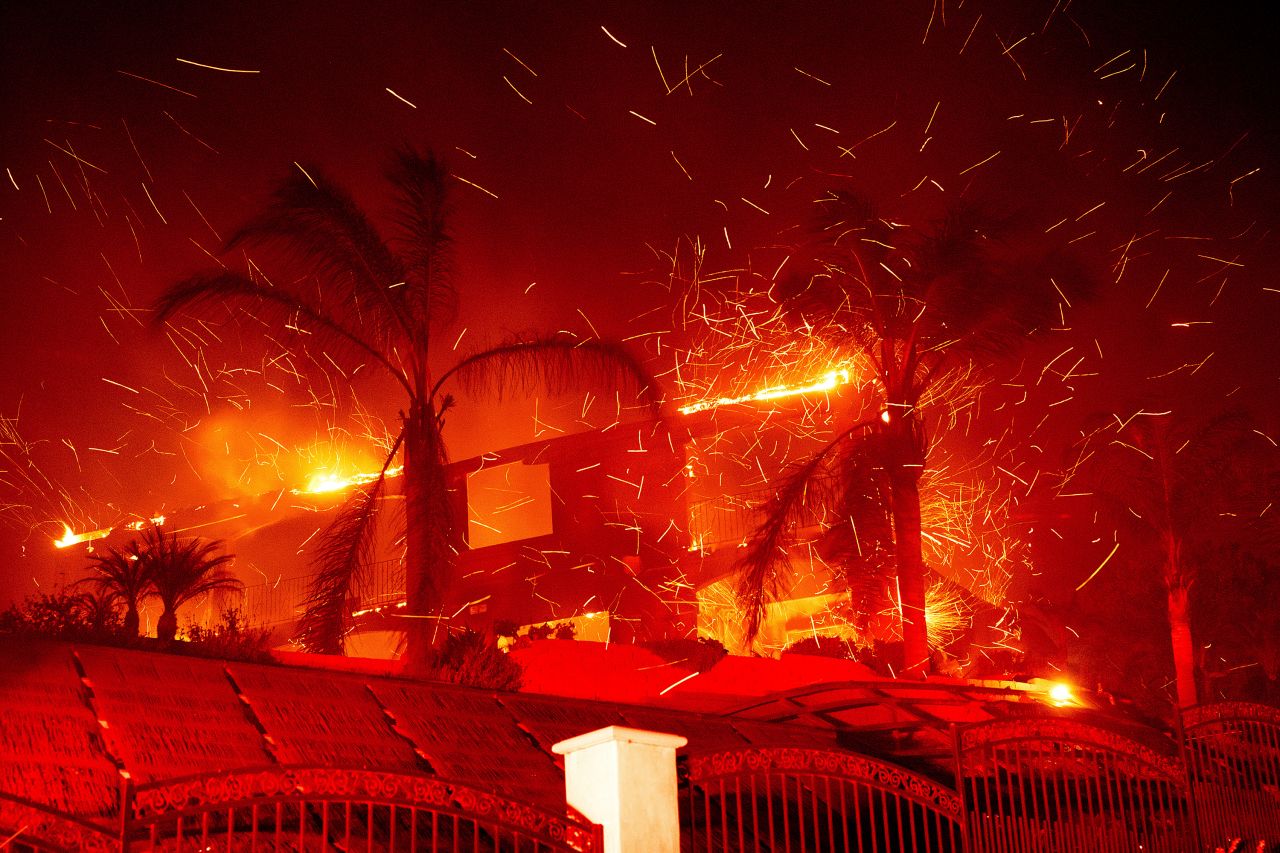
(620, 734)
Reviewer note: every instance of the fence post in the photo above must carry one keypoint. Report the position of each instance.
(625, 780)
(967, 839)
(1188, 774)
(126, 808)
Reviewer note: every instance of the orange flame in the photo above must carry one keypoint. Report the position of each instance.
(827, 382)
(70, 537)
(323, 482)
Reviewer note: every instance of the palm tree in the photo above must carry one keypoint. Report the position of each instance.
(1180, 493)
(181, 571)
(920, 308)
(387, 300)
(123, 576)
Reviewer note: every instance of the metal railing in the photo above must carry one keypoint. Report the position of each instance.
(303, 808)
(1056, 784)
(280, 602)
(784, 798)
(1232, 755)
(1042, 783)
(279, 808)
(1051, 782)
(732, 519)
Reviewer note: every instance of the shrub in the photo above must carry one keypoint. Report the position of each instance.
(231, 638)
(66, 616)
(700, 654)
(473, 659)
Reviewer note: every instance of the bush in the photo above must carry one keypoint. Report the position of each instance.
(826, 647)
(473, 659)
(553, 630)
(231, 638)
(65, 616)
(700, 654)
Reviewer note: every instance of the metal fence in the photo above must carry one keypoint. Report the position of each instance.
(301, 809)
(1232, 754)
(1057, 784)
(1038, 783)
(1054, 782)
(282, 601)
(790, 799)
(733, 519)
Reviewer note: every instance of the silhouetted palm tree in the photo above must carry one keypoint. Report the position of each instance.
(386, 300)
(1181, 492)
(182, 570)
(121, 575)
(919, 308)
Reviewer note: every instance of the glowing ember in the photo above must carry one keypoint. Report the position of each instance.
(829, 382)
(69, 537)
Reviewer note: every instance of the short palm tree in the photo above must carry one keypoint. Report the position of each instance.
(918, 307)
(122, 576)
(182, 570)
(387, 301)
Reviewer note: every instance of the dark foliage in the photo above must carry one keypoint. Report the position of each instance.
(84, 618)
(473, 659)
(65, 615)
(920, 306)
(231, 638)
(699, 655)
(383, 297)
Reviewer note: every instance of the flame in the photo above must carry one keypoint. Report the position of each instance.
(157, 520)
(323, 482)
(70, 537)
(827, 382)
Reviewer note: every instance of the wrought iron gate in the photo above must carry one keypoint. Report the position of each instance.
(1056, 784)
(1232, 752)
(790, 799)
(27, 826)
(310, 808)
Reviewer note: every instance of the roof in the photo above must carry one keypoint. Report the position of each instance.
(80, 717)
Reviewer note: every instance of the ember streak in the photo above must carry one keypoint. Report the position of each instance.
(645, 177)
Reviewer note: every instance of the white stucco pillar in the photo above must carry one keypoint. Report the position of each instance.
(625, 780)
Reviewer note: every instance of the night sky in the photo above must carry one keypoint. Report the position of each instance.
(587, 143)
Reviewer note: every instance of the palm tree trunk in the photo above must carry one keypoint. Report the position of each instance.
(167, 625)
(430, 558)
(1184, 661)
(132, 621)
(904, 485)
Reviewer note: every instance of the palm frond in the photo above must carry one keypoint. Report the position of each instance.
(346, 550)
(182, 570)
(860, 541)
(120, 573)
(220, 285)
(849, 222)
(556, 364)
(423, 237)
(802, 489)
(318, 223)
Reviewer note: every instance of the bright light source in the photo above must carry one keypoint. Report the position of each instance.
(324, 481)
(884, 416)
(827, 382)
(1060, 694)
(70, 537)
